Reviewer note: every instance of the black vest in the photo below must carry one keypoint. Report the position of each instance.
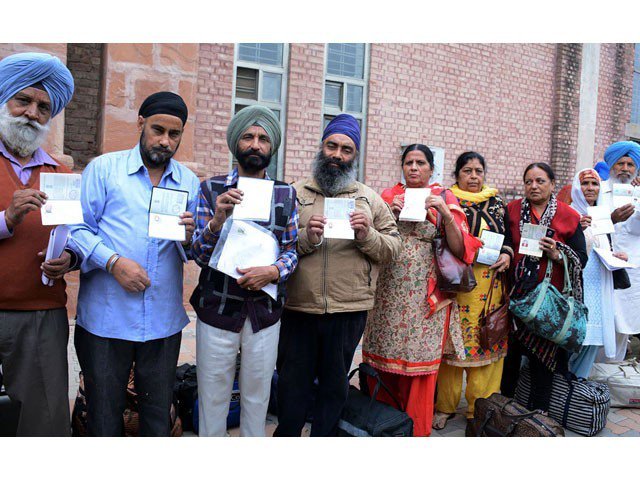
(218, 300)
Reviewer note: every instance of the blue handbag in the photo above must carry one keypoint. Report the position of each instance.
(556, 316)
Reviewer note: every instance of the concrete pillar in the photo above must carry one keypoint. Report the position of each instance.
(588, 113)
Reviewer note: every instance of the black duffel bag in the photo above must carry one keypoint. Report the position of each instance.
(364, 416)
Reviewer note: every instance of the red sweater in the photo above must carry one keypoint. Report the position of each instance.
(565, 223)
(21, 285)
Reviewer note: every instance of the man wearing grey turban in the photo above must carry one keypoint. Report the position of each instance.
(237, 313)
(34, 87)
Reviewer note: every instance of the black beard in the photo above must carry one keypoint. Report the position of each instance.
(252, 162)
(333, 175)
(156, 156)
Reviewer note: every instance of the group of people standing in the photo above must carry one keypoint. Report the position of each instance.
(381, 287)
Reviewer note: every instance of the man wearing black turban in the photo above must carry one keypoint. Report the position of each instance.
(130, 307)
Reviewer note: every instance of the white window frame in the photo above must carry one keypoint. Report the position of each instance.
(362, 116)
(282, 106)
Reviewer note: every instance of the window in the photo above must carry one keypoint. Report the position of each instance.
(345, 86)
(261, 80)
(635, 102)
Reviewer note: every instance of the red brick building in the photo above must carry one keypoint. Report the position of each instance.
(514, 103)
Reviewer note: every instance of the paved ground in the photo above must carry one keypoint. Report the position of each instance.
(621, 422)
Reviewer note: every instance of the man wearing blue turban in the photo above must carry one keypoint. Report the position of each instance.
(333, 287)
(622, 161)
(34, 87)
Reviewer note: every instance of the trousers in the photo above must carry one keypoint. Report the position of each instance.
(216, 352)
(481, 383)
(315, 346)
(33, 354)
(541, 376)
(106, 364)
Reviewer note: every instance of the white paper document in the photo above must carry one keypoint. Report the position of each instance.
(490, 251)
(164, 213)
(530, 239)
(624, 194)
(247, 246)
(611, 262)
(58, 239)
(256, 199)
(414, 205)
(600, 220)
(63, 198)
(337, 211)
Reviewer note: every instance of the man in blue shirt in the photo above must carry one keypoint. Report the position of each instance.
(130, 307)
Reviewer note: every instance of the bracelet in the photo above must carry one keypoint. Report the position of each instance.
(450, 221)
(112, 261)
(316, 245)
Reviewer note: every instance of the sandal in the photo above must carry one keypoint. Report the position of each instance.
(440, 420)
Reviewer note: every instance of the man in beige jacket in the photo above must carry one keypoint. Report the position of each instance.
(332, 288)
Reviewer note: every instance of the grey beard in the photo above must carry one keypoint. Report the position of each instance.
(332, 180)
(18, 136)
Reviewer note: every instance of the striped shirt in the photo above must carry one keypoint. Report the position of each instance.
(204, 241)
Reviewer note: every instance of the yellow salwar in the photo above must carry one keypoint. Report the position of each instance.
(481, 383)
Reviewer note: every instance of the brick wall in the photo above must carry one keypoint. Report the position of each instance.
(494, 99)
(304, 109)
(82, 115)
(213, 107)
(614, 95)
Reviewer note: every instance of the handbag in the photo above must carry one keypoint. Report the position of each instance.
(621, 279)
(364, 416)
(499, 416)
(453, 274)
(494, 325)
(578, 404)
(556, 316)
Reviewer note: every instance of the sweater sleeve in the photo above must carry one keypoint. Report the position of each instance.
(578, 244)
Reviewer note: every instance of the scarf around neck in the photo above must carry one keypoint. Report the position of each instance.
(482, 196)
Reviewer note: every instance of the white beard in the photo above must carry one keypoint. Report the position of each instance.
(21, 135)
(615, 179)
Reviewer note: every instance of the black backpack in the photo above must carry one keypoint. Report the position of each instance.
(185, 392)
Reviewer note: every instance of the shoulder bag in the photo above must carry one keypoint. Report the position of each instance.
(494, 325)
(556, 316)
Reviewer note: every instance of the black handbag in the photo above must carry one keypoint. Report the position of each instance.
(364, 416)
(621, 279)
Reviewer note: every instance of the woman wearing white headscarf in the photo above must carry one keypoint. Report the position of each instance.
(598, 281)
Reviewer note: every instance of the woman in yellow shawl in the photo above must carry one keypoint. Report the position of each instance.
(485, 210)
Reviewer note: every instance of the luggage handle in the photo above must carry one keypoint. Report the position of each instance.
(371, 372)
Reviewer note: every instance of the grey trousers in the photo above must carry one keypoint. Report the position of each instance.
(33, 353)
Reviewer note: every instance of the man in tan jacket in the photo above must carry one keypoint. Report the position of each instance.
(332, 288)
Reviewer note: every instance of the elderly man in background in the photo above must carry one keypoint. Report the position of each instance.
(34, 328)
(232, 313)
(622, 160)
(130, 307)
(333, 286)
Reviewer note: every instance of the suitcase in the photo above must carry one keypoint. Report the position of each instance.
(364, 416)
(623, 380)
(499, 416)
